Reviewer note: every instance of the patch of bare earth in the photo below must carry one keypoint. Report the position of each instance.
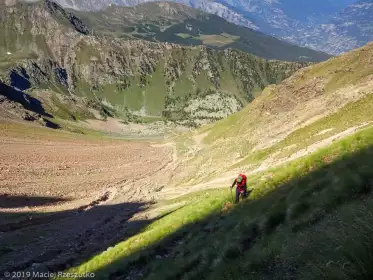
(157, 129)
(64, 199)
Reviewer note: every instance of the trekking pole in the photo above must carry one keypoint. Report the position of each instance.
(232, 195)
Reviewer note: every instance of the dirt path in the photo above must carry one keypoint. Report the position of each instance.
(271, 162)
(64, 199)
(226, 179)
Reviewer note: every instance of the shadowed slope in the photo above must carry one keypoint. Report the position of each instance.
(303, 207)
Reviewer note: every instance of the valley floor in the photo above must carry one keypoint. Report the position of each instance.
(65, 196)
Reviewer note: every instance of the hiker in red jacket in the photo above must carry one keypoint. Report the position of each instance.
(240, 182)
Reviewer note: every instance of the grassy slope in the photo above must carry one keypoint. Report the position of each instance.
(11, 47)
(17, 130)
(180, 75)
(318, 204)
(337, 73)
(353, 114)
(282, 119)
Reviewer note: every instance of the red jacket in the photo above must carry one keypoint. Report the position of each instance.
(241, 186)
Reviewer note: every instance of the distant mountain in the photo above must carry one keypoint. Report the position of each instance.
(283, 17)
(279, 16)
(350, 28)
(177, 23)
(318, 23)
(205, 5)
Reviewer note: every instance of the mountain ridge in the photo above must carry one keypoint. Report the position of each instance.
(295, 21)
(350, 28)
(177, 23)
(125, 78)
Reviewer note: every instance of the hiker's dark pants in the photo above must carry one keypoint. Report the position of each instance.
(244, 195)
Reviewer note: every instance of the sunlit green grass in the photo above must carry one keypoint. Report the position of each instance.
(263, 235)
(353, 114)
(158, 230)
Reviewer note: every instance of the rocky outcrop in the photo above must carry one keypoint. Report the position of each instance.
(63, 15)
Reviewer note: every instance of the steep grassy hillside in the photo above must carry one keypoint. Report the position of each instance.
(313, 105)
(176, 23)
(46, 48)
(308, 219)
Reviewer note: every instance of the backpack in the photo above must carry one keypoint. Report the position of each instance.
(243, 182)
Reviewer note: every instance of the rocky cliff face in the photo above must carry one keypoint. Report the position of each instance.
(47, 48)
